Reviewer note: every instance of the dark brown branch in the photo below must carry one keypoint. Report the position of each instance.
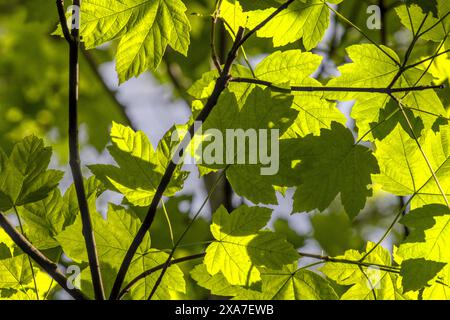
(63, 20)
(221, 84)
(157, 268)
(47, 265)
(332, 89)
(74, 155)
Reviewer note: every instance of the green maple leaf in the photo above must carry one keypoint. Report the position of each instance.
(241, 246)
(24, 177)
(433, 28)
(430, 235)
(307, 20)
(140, 166)
(15, 272)
(45, 219)
(371, 67)
(438, 290)
(294, 67)
(263, 110)
(291, 66)
(418, 273)
(6, 242)
(217, 284)
(292, 283)
(314, 114)
(424, 252)
(366, 282)
(231, 12)
(113, 236)
(289, 283)
(404, 171)
(332, 164)
(145, 29)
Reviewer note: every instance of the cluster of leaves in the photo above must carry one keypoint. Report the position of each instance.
(400, 144)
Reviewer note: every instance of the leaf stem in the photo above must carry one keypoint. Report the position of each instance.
(332, 89)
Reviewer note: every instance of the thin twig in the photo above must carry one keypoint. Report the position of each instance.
(220, 86)
(332, 89)
(426, 59)
(74, 155)
(49, 266)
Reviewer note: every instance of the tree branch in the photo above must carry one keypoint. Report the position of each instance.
(332, 89)
(221, 84)
(63, 21)
(49, 266)
(74, 155)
